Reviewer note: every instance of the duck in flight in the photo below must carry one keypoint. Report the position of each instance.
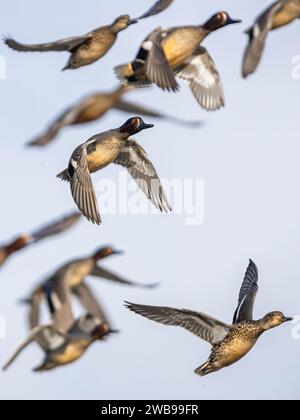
(230, 343)
(95, 106)
(91, 47)
(74, 274)
(26, 240)
(113, 146)
(177, 52)
(279, 14)
(65, 340)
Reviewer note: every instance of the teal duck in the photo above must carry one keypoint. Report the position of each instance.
(65, 340)
(112, 146)
(74, 274)
(91, 47)
(279, 14)
(177, 52)
(230, 343)
(95, 106)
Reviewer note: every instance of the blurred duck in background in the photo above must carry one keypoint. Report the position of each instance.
(279, 14)
(91, 47)
(23, 241)
(65, 340)
(74, 274)
(113, 146)
(230, 343)
(95, 106)
(177, 52)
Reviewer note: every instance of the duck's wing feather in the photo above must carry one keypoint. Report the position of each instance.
(67, 44)
(68, 117)
(257, 39)
(109, 275)
(204, 79)
(157, 68)
(135, 159)
(44, 335)
(157, 8)
(247, 295)
(34, 310)
(56, 227)
(199, 324)
(89, 301)
(58, 295)
(136, 109)
(82, 187)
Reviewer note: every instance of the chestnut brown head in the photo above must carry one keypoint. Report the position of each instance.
(220, 20)
(106, 252)
(134, 126)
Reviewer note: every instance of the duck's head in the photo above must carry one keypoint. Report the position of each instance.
(106, 252)
(220, 20)
(102, 331)
(123, 22)
(274, 319)
(134, 126)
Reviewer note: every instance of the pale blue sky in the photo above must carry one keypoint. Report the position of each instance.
(248, 155)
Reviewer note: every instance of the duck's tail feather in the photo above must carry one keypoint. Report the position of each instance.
(64, 176)
(204, 370)
(120, 72)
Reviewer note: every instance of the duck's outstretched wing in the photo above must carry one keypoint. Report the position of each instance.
(67, 44)
(199, 324)
(157, 68)
(257, 39)
(68, 117)
(109, 275)
(157, 8)
(135, 159)
(44, 335)
(82, 188)
(204, 79)
(89, 301)
(136, 109)
(247, 295)
(56, 227)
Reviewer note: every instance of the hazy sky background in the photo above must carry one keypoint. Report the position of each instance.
(248, 155)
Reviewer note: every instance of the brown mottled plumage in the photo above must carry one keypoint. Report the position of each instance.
(230, 343)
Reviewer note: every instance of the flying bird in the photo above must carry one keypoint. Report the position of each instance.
(279, 14)
(91, 47)
(74, 274)
(177, 52)
(95, 106)
(38, 235)
(113, 146)
(65, 340)
(230, 343)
